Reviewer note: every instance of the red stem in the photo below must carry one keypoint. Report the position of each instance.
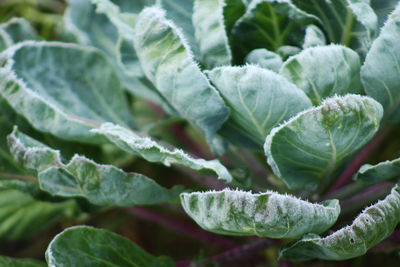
(186, 141)
(181, 227)
(359, 160)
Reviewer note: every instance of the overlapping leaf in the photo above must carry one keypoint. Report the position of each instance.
(260, 99)
(383, 171)
(14, 31)
(72, 247)
(81, 177)
(313, 37)
(63, 89)
(265, 214)
(16, 262)
(265, 59)
(155, 152)
(373, 225)
(383, 9)
(324, 71)
(380, 72)
(168, 63)
(307, 149)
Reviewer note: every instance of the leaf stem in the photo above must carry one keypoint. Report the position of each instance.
(359, 160)
(181, 227)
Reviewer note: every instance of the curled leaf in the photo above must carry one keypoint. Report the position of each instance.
(265, 214)
(383, 171)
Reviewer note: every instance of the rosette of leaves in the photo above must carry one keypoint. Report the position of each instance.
(273, 104)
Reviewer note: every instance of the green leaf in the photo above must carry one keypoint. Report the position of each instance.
(324, 71)
(268, 24)
(212, 30)
(373, 225)
(265, 214)
(21, 216)
(380, 72)
(245, 88)
(265, 59)
(383, 9)
(352, 23)
(63, 89)
(383, 171)
(16, 262)
(87, 246)
(306, 150)
(168, 63)
(154, 152)
(81, 177)
(14, 31)
(313, 37)
(286, 51)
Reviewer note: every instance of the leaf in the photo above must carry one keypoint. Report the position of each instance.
(265, 59)
(306, 150)
(268, 24)
(154, 152)
(324, 71)
(383, 171)
(286, 51)
(16, 262)
(383, 9)
(211, 20)
(313, 37)
(265, 214)
(168, 63)
(260, 99)
(373, 225)
(380, 72)
(43, 82)
(352, 23)
(87, 246)
(16, 30)
(21, 216)
(81, 177)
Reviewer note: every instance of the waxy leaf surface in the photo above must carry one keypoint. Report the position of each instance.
(324, 71)
(265, 214)
(307, 149)
(72, 247)
(313, 37)
(265, 59)
(383, 171)
(373, 225)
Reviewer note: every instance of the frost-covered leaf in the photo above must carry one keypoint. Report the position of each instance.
(17, 262)
(306, 150)
(22, 216)
(260, 99)
(155, 152)
(81, 177)
(63, 89)
(14, 31)
(265, 59)
(286, 51)
(265, 214)
(313, 37)
(212, 30)
(324, 71)
(352, 23)
(381, 69)
(268, 24)
(383, 9)
(383, 171)
(168, 63)
(373, 225)
(87, 246)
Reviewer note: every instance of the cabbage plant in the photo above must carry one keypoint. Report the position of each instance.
(278, 118)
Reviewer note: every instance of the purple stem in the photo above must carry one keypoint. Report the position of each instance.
(359, 160)
(189, 143)
(234, 254)
(181, 227)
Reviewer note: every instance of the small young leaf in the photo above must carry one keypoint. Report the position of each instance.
(168, 63)
(324, 71)
(16, 262)
(63, 89)
(307, 149)
(373, 225)
(81, 177)
(265, 59)
(22, 216)
(154, 152)
(260, 99)
(313, 37)
(380, 72)
(265, 214)
(87, 246)
(384, 171)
